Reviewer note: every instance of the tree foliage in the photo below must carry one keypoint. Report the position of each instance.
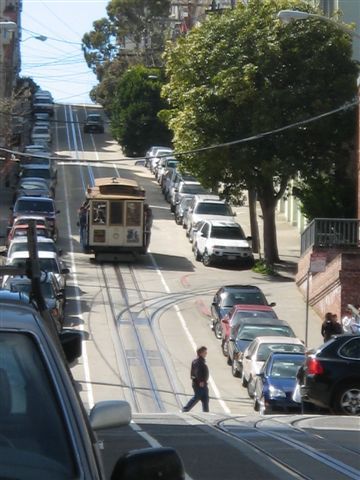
(134, 121)
(243, 73)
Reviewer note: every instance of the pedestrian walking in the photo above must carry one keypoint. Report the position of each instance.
(330, 326)
(199, 374)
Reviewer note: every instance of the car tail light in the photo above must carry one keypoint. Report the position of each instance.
(314, 367)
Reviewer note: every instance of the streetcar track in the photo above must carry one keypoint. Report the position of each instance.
(297, 445)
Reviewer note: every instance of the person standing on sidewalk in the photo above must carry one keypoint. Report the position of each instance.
(199, 375)
(330, 326)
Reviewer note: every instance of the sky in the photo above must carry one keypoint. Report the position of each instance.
(58, 64)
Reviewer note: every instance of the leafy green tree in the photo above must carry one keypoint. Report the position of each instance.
(243, 73)
(134, 121)
(133, 34)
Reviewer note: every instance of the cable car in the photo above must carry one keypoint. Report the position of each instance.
(115, 220)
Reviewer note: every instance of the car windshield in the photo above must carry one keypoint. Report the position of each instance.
(208, 208)
(286, 369)
(266, 348)
(34, 206)
(232, 233)
(249, 332)
(41, 130)
(34, 436)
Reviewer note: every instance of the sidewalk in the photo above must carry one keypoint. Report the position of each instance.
(291, 305)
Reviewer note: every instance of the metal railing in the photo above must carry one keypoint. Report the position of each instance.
(331, 232)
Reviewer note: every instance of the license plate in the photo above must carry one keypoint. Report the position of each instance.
(231, 257)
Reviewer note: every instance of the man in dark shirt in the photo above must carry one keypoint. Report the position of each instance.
(199, 376)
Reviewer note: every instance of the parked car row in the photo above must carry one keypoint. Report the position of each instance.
(33, 203)
(265, 353)
(208, 220)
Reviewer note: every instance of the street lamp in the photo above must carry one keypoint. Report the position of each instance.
(287, 16)
(42, 38)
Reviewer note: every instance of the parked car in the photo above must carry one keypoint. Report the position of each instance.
(39, 171)
(39, 158)
(208, 208)
(46, 432)
(331, 375)
(21, 231)
(163, 165)
(157, 154)
(151, 152)
(177, 181)
(168, 180)
(248, 330)
(275, 383)
(41, 134)
(37, 148)
(32, 187)
(43, 104)
(51, 290)
(36, 206)
(94, 123)
(48, 261)
(180, 209)
(231, 322)
(185, 188)
(256, 354)
(222, 242)
(229, 295)
(20, 244)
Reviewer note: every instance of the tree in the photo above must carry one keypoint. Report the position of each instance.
(134, 121)
(133, 34)
(243, 73)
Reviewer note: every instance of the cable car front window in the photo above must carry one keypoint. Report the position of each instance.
(99, 212)
(116, 213)
(133, 214)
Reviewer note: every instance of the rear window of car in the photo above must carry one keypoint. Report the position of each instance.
(253, 314)
(250, 332)
(37, 172)
(208, 208)
(231, 233)
(286, 369)
(267, 348)
(34, 206)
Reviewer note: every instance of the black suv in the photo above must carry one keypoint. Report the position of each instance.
(330, 377)
(94, 123)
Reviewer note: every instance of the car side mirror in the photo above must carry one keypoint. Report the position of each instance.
(65, 271)
(248, 357)
(234, 214)
(57, 211)
(225, 320)
(260, 374)
(272, 304)
(149, 464)
(231, 339)
(71, 341)
(59, 252)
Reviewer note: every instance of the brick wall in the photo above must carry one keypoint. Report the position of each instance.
(332, 290)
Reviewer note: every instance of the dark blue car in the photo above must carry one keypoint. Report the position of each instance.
(275, 384)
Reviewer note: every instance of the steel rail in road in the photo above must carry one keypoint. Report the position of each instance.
(257, 434)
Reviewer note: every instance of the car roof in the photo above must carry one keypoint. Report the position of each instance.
(240, 286)
(41, 254)
(35, 199)
(39, 240)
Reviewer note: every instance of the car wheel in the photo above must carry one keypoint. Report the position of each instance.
(177, 220)
(244, 382)
(217, 330)
(262, 409)
(256, 405)
(197, 253)
(347, 400)
(224, 348)
(206, 259)
(234, 370)
(172, 208)
(250, 388)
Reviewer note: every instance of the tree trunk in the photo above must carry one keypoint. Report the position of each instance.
(254, 226)
(271, 253)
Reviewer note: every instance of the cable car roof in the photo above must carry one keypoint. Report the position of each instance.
(115, 187)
